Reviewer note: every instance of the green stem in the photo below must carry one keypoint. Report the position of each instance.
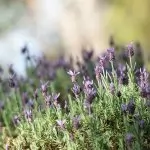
(114, 74)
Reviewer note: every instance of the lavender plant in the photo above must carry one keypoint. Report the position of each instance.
(104, 106)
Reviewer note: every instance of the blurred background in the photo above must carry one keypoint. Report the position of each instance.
(67, 26)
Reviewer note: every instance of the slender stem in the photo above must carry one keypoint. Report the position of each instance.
(114, 74)
(131, 63)
(131, 70)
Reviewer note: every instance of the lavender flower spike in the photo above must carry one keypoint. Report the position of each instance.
(28, 115)
(112, 88)
(16, 120)
(44, 88)
(102, 60)
(124, 108)
(141, 124)
(76, 122)
(111, 54)
(73, 75)
(130, 50)
(55, 96)
(55, 99)
(131, 107)
(98, 71)
(87, 83)
(76, 89)
(12, 80)
(48, 100)
(129, 139)
(61, 123)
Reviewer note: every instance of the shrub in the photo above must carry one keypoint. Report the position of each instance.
(103, 105)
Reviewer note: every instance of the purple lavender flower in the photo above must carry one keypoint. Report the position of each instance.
(84, 70)
(76, 122)
(30, 103)
(129, 139)
(55, 96)
(12, 82)
(141, 124)
(122, 74)
(73, 75)
(76, 89)
(35, 95)
(121, 69)
(28, 115)
(143, 74)
(143, 78)
(102, 60)
(61, 123)
(48, 100)
(16, 120)
(89, 90)
(130, 50)
(148, 91)
(25, 98)
(137, 73)
(131, 107)
(87, 83)
(143, 92)
(98, 71)
(90, 95)
(55, 99)
(143, 83)
(112, 88)
(44, 88)
(124, 108)
(111, 55)
(123, 79)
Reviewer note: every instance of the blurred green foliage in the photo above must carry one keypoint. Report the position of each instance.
(10, 13)
(130, 21)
